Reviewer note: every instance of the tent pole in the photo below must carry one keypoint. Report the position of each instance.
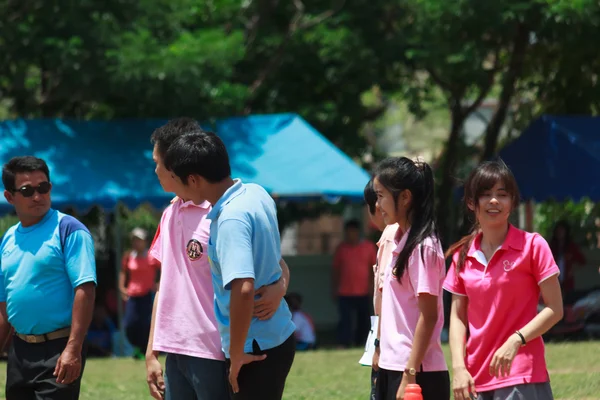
(118, 252)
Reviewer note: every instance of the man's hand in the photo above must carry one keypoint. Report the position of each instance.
(154, 377)
(236, 364)
(269, 300)
(68, 366)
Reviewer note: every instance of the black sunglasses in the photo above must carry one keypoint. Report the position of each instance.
(28, 190)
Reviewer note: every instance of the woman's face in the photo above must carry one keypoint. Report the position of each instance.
(392, 211)
(493, 207)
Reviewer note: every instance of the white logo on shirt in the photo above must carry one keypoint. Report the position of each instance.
(508, 265)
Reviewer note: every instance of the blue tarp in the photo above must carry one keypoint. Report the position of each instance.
(105, 162)
(557, 158)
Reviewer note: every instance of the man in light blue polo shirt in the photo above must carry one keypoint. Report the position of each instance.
(244, 250)
(47, 288)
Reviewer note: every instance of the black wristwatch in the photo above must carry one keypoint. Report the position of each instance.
(376, 342)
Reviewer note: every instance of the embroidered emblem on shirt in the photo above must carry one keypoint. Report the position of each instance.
(508, 265)
(194, 250)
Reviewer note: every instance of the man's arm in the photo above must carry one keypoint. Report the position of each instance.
(80, 264)
(235, 255)
(4, 326)
(154, 372)
(68, 366)
(83, 311)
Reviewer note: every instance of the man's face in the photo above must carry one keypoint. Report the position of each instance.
(165, 177)
(352, 235)
(29, 203)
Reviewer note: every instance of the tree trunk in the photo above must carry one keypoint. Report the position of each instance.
(492, 132)
(445, 193)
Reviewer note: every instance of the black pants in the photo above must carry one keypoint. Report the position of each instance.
(434, 385)
(265, 380)
(138, 314)
(354, 308)
(30, 371)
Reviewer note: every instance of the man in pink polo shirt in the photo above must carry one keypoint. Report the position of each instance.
(183, 321)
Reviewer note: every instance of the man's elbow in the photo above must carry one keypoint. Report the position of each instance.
(245, 288)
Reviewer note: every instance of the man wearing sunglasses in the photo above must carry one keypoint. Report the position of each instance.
(47, 288)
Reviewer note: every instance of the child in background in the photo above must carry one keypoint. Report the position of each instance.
(306, 338)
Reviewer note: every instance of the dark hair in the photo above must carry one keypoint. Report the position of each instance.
(352, 224)
(164, 136)
(294, 300)
(198, 153)
(397, 174)
(22, 164)
(370, 197)
(481, 179)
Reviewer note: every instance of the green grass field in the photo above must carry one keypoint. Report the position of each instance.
(335, 374)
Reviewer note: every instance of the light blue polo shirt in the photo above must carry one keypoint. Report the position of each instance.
(244, 243)
(40, 266)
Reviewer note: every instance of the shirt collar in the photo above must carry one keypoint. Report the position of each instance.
(183, 204)
(234, 191)
(400, 240)
(515, 239)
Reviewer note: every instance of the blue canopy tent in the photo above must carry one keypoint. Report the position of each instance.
(106, 162)
(557, 158)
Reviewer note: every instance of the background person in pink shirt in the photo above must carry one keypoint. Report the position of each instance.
(385, 247)
(496, 277)
(352, 282)
(412, 311)
(183, 318)
(137, 281)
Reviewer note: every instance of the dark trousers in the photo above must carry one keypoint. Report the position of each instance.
(353, 308)
(434, 385)
(30, 371)
(265, 380)
(138, 314)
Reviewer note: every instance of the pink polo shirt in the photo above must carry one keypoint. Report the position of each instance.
(503, 297)
(185, 318)
(385, 248)
(400, 308)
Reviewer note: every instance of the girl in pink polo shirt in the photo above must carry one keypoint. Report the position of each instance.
(412, 313)
(496, 277)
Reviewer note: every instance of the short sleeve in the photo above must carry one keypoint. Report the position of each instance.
(79, 257)
(156, 245)
(543, 265)
(2, 288)
(425, 270)
(453, 282)
(234, 251)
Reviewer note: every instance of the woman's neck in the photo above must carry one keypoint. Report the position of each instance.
(492, 238)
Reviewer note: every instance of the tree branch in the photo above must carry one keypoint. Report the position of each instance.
(487, 86)
(294, 26)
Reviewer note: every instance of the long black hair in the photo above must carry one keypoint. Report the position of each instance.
(397, 174)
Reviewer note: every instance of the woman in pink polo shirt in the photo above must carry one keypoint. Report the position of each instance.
(496, 278)
(137, 283)
(412, 313)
